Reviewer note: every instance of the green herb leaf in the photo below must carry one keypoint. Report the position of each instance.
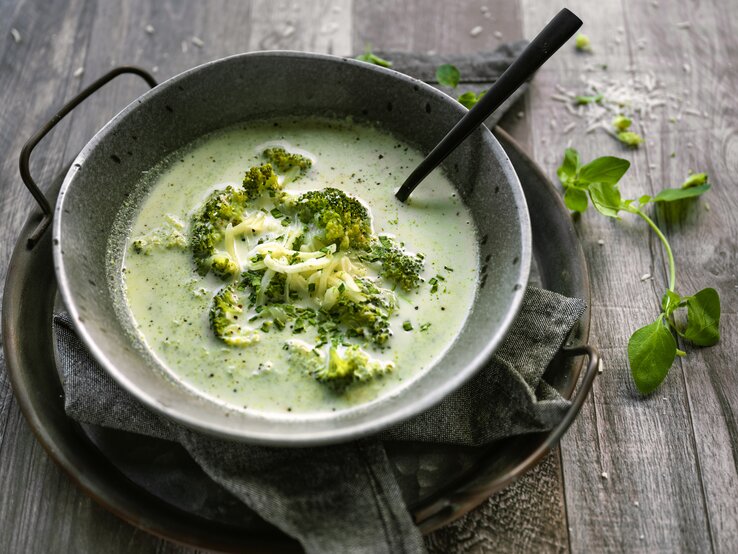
(695, 180)
(672, 195)
(582, 43)
(670, 302)
(576, 199)
(651, 352)
(645, 199)
(468, 100)
(567, 172)
(607, 169)
(629, 138)
(581, 100)
(621, 123)
(407, 326)
(703, 318)
(606, 199)
(448, 75)
(369, 57)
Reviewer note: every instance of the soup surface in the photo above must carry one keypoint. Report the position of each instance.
(170, 301)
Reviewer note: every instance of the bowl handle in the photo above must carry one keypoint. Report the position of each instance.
(25, 155)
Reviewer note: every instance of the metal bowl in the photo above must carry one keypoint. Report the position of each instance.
(218, 94)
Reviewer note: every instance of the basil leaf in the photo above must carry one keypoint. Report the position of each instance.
(670, 302)
(695, 180)
(369, 57)
(651, 352)
(672, 195)
(607, 169)
(448, 75)
(606, 199)
(576, 199)
(570, 165)
(469, 99)
(703, 318)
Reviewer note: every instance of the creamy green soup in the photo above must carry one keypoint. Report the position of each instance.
(169, 300)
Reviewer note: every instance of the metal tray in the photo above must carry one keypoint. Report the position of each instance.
(154, 485)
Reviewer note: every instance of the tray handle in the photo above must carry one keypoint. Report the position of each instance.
(433, 516)
(25, 156)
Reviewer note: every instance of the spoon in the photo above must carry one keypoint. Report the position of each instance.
(549, 40)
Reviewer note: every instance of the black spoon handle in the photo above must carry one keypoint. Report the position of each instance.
(549, 40)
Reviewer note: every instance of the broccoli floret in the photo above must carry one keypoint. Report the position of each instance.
(286, 162)
(208, 226)
(340, 369)
(344, 219)
(223, 266)
(221, 208)
(259, 180)
(354, 365)
(368, 319)
(225, 311)
(274, 292)
(397, 265)
(167, 237)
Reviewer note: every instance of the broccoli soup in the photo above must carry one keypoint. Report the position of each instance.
(271, 268)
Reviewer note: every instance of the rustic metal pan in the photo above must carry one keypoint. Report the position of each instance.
(258, 85)
(134, 476)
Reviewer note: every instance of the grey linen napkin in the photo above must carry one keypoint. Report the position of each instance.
(345, 498)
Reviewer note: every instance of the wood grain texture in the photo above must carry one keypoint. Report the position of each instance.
(670, 458)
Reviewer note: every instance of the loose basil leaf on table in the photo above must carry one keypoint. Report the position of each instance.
(448, 75)
(651, 352)
(607, 169)
(606, 199)
(703, 318)
(651, 349)
(576, 199)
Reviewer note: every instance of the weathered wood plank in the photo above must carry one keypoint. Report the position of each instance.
(676, 458)
(692, 52)
(441, 27)
(527, 516)
(669, 457)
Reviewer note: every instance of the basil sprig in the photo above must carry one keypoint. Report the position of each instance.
(653, 348)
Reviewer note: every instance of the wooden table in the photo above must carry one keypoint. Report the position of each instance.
(671, 459)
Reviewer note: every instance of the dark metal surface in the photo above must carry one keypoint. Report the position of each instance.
(24, 162)
(106, 465)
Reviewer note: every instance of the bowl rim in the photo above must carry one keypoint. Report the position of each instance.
(345, 433)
